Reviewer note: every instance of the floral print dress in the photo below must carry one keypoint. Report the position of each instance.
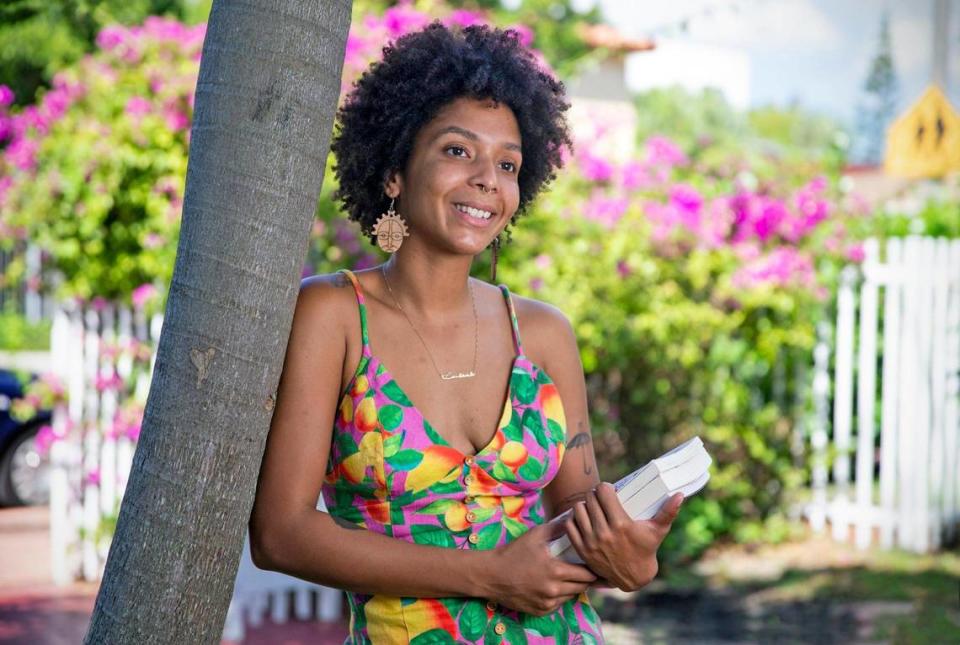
(389, 471)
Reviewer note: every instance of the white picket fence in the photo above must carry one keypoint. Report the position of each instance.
(90, 465)
(897, 478)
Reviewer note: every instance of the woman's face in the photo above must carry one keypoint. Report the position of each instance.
(468, 157)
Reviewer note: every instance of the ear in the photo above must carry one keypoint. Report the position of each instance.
(393, 184)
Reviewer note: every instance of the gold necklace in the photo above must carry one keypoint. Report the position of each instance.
(446, 376)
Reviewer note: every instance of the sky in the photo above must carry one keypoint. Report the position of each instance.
(816, 52)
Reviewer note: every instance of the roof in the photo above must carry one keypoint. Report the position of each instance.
(607, 37)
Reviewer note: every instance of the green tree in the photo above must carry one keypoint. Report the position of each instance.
(40, 37)
(879, 104)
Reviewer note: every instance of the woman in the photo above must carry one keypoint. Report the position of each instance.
(436, 529)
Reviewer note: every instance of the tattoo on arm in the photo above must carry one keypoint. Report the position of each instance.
(579, 440)
(350, 526)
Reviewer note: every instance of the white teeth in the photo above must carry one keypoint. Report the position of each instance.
(473, 212)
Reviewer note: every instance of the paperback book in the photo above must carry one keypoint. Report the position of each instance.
(685, 469)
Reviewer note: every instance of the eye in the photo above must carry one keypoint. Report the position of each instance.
(513, 166)
(461, 148)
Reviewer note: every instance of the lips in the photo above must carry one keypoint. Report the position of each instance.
(475, 222)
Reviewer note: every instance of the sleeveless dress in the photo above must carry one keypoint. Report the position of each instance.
(389, 471)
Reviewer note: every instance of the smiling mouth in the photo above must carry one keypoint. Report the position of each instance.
(476, 213)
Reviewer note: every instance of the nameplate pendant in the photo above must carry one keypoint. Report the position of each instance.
(449, 376)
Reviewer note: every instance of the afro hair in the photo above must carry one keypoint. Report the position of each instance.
(421, 73)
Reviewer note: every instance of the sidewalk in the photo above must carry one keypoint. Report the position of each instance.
(34, 611)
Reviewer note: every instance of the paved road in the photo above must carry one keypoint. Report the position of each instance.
(34, 611)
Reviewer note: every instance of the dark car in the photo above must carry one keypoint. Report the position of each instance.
(24, 470)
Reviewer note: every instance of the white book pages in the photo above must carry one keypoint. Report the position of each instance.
(689, 472)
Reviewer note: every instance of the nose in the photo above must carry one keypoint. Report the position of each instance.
(485, 177)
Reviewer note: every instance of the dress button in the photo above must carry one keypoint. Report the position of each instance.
(474, 538)
(468, 461)
(468, 499)
(492, 606)
(468, 480)
(471, 516)
(500, 628)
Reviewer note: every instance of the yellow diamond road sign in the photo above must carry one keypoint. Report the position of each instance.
(925, 140)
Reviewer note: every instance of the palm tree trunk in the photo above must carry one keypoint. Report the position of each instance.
(265, 103)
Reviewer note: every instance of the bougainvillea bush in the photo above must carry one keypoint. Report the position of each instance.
(694, 279)
(94, 172)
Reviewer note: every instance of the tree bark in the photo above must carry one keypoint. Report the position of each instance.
(265, 103)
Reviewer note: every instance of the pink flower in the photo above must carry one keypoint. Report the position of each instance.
(634, 175)
(855, 253)
(22, 154)
(465, 18)
(606, 210)
(543, 261)
(595, 168)
(402, 18)
(6, 96)
(142, 294)
(111, 36)
(137, 107)
(783, 267)
(92, 478)
(525, 34)
(623, 268)
(536, 284)
(662, 151)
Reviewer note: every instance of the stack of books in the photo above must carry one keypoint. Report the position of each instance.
(685, 469)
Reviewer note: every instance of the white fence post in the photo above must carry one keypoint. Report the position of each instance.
(866, 395)
(919, 465)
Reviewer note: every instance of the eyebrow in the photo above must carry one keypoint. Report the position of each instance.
(472, 136)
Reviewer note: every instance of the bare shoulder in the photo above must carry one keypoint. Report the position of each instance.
(325, 296)
(544, 330)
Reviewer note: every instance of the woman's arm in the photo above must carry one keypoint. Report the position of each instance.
(621, 551)
(555, 345)
(288, 534)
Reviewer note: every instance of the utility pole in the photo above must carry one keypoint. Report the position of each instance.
(941, 35)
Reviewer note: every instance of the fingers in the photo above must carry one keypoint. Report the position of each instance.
(612, 506)
(582, 518)
(575, 536)
(598, 521)
(576, 573)
(668, 512)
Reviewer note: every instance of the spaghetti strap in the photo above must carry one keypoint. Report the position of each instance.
(514, 326)
(362, 305)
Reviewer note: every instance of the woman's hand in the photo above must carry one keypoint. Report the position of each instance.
(524, 576)
(621, 551)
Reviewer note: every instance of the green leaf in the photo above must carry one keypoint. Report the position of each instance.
(473, 620)
(514, 527)
(390, 416)
(531, 469)
(489, 536)
(543, 625)
(439, 507)
(346, 444)
(392, 444)
(432, 535)
(524, 387)
(501, 472)
(393, 392)
(433, 637)
(556, 432)
(533, 421)
(483, 514)
(515, 633)
(406, 459)
(490, 636)
(434, 436)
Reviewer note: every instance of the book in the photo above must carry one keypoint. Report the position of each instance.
(684, 469)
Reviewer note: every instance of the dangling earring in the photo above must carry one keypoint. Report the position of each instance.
(495, 252)
(390, 230)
